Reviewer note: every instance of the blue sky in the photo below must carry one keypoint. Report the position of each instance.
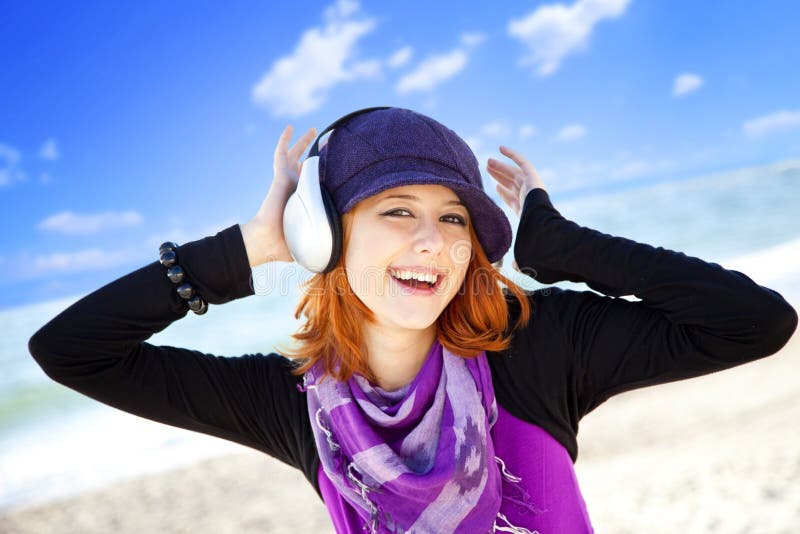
(125, 124)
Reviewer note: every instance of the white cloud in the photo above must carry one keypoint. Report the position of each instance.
(636, 168)
(526, 130)
(686, 83)
(49, 150)
(10, 171)
(433, 71)
(779, 121)
(472, 38)
(25, 265)
(342, 8)
(495, 132)
(496, 129)
(400, 57)
(438, 68)
(298, 83)
(70, 223)
(93, 259)
(554, 31)
(571, 132)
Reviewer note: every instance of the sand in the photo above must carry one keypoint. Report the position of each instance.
(243, 492)
(719, 453)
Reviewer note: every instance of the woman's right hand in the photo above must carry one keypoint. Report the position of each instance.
(263, 234)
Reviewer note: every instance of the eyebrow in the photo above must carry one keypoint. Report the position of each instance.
(412, 197)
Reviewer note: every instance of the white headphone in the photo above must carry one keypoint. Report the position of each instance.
(311, 225)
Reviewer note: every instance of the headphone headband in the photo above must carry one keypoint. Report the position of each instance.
(315, 147)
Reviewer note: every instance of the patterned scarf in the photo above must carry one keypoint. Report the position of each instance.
(415, 459)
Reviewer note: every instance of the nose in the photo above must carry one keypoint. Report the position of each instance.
(429, 237)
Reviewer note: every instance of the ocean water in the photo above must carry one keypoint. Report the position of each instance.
(54, 441)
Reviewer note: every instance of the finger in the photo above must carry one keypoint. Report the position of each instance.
(507, 172)
(505, 180)
(509, 196)
(504, 193)
(519, 159)
(302, 144)
(283, 144)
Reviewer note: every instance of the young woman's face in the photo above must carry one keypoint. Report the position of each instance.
(413, 231)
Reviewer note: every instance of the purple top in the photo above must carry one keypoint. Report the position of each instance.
(544, 465)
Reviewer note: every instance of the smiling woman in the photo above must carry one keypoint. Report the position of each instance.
(453, 408)
(388, 248)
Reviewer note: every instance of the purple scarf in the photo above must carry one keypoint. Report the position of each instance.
(417, 459)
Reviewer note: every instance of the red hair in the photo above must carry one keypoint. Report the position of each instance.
(475, 320)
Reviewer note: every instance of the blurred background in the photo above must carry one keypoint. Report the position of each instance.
(126, 124)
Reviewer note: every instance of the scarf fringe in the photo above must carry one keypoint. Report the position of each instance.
(511, 528)
(328, 434)
(522, 500)
(508, 476)
(375, 513)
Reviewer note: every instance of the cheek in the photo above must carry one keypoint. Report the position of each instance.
(364, 273)
(460, 252)
(366, 281)
(460, 255)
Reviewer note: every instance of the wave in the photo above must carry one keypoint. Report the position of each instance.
(91, 448)
(777, 267)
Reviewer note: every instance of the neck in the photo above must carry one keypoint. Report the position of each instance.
(395, 356)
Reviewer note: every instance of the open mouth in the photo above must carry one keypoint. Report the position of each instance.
(413, 281)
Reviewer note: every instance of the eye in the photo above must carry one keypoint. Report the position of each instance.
(458, 219)
(393, 213)
(452, 218)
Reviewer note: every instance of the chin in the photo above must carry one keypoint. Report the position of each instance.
(415, 323)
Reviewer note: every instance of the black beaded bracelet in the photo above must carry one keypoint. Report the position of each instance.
(169, 259)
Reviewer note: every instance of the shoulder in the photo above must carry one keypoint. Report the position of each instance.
(541, 332)
(546, 346)
(550, 304)
(271, 360)
(266, 376)
(285, 412)
(535, 377)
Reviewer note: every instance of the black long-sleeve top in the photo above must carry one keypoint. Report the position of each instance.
(578, 349)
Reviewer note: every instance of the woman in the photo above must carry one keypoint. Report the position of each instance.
(448, 403)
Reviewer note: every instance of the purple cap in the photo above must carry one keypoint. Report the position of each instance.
(393, 147)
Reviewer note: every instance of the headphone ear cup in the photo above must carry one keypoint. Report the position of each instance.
(335, 223)
(308, 227)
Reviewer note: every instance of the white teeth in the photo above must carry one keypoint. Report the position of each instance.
(407, 275)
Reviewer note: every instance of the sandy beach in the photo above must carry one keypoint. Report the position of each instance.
(718, 453)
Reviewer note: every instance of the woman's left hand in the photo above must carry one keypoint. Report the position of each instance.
(514, 182)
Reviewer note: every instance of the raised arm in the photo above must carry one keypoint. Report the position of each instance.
(98, 345)
(694, 317)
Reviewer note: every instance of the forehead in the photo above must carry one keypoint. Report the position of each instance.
(438, 194)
